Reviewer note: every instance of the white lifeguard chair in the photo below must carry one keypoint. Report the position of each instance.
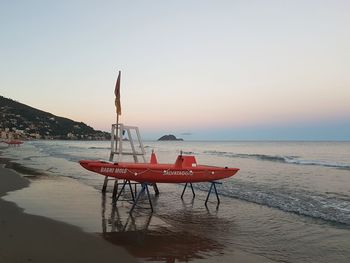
(125, 141)
(117, 141)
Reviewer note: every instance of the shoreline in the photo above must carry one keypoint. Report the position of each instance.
(30, 238)
(20, 169)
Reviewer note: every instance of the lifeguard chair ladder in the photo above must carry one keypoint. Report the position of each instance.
(117, 142)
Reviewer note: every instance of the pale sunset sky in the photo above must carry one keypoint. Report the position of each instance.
(214, 70)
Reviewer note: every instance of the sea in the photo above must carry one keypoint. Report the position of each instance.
(290, 201)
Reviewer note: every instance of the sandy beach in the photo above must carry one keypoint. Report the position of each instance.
(30, 238)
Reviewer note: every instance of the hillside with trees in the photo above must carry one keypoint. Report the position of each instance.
(27, 122)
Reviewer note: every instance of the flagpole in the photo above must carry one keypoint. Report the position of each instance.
(117, 104)
(120, 133)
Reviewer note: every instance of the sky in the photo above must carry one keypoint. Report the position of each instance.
(202, 70)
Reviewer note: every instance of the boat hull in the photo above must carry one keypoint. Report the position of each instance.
(158, 173)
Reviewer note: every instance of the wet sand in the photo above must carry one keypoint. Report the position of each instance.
(30, 238)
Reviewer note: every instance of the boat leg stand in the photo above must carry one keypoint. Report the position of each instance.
(213, 185)
(115, 190)
(132, 194)
(155, 188)
(105, 185)
(183, 192)
(143, 189)
(105, 182)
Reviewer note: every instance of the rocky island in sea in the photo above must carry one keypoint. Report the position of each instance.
(169, 137)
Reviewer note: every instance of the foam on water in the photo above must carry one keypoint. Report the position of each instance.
(283, 159)
(330, 208)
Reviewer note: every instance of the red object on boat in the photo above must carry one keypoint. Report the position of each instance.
(184, 170)
(14, 142)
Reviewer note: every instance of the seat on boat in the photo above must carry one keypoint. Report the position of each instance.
(185, 161)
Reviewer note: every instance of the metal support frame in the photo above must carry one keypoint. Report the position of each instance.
(183, 192)
(134, 195)
(105, 182)
(143, 189)
(213, 185)
(116, 196)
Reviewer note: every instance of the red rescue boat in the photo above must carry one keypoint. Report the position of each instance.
(14, 142)
(184, 170)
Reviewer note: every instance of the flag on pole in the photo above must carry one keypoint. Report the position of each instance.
(117, 96)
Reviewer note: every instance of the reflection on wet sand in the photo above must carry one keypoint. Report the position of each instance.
(150, 237)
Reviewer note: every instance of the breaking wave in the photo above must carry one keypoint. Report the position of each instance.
(281, 159)
(334, 208)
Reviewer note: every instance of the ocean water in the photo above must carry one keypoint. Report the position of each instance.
(290, 202)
